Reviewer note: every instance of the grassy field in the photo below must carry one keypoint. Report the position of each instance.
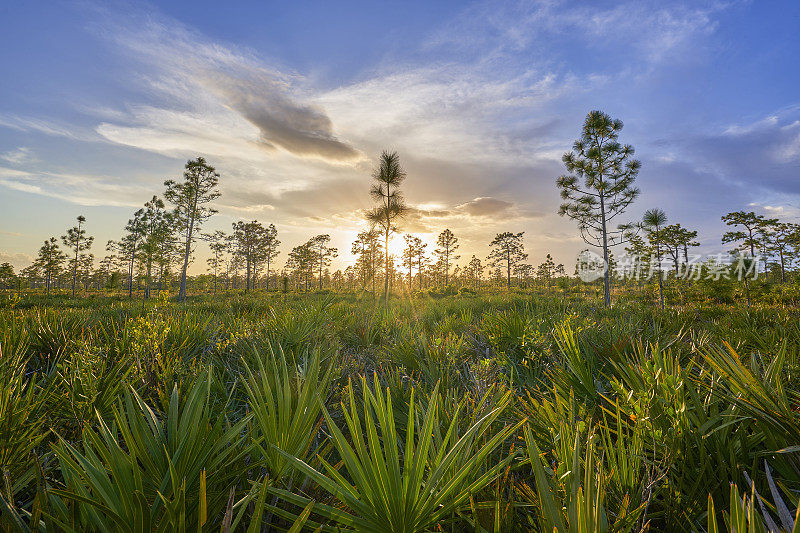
(467, 412)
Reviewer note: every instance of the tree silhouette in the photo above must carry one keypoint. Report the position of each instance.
(190, 198)
(414, 247)
(250, 238)
(128, 246)
(337, 279)
(507, 248)
(386, 192)
(546, 270)
(422, 263)
(107, 271)
(321, 253)
(524, 272)
(50, 260)
(77, 241)
(414, 256)
(31, 273)
(155, 225)
(608, 171)
(270, 245)
(218, 244)
(301, 262)
(85, 269)
(447, 245)
(653, 222)
(233, 263)
(475, 270)
(7, 276)
(368, 248)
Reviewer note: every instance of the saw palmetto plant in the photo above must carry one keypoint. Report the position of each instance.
(480, 414)
(142, 471)
(403, 483)
(284, 399)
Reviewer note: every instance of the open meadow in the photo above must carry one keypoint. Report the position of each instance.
(498, 411)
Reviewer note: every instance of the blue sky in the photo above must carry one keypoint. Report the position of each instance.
(101, 102)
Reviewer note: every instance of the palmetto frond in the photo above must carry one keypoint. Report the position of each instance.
(391, 483)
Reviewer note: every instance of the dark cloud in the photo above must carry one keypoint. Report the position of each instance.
(297, 128)
(484, 206)
(200, 78)
(422, 219)
(315, 201)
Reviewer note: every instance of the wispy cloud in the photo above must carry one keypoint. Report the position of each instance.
(654, 31)
(47, 127)
(208, 85)
(762, 155)
(89, 190)
(480, 112)
(18, 156)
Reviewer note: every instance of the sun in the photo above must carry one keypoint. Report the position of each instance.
(397, 244)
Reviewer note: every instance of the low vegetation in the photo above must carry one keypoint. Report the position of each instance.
(504, 411)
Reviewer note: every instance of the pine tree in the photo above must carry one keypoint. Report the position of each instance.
(218, 244)
(608, 171)
(654, 221)
(386, 192)
(546, 270)
(50, 260)
(78, 242)
(749, 238)
(191, 198)
(368, 248)
(475, 269)
(447, 245)
(507, 249)
(321, 253)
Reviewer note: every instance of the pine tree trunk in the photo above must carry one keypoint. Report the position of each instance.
(660, 275)
(508, 269)
(75, 268)
(386, 273)
(187, 250)
(247, 283)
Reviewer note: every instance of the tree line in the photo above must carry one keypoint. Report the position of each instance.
(159, 240)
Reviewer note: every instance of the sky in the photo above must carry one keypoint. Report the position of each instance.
(292, 102)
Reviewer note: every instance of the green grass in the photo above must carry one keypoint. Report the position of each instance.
(463, 412)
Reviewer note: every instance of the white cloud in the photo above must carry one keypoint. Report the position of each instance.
(450, 112)
(19, 156)
(483, 119)
(90, 190)
(18, 260)
(47, 127)
(218, 94)
(654, 32)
